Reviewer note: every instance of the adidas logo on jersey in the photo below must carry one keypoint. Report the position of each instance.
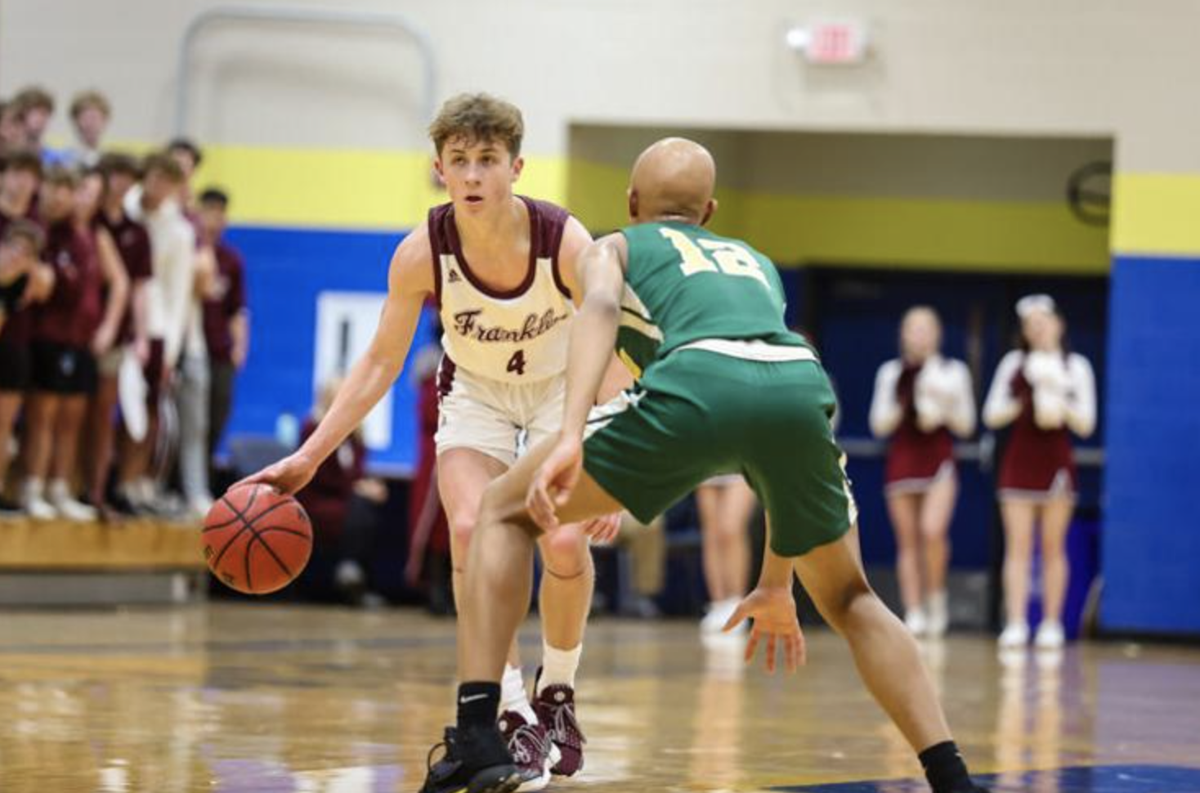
(454, 277)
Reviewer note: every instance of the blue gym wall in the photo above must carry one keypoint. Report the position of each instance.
(286, 270)
(1151, 558)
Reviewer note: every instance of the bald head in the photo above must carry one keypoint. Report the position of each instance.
(673, 180)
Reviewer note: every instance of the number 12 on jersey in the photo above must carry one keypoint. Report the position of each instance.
(714, 256)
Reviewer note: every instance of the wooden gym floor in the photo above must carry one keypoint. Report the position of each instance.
(282, 699)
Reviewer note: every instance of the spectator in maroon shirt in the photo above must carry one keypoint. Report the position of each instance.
(343, 504)
(69, 329)
(20, 244)
(226, 321)
(109, 344)
(22, 170)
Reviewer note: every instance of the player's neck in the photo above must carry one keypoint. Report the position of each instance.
(675, 218)
(492, 230)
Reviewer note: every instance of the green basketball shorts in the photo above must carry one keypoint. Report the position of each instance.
(698, 413)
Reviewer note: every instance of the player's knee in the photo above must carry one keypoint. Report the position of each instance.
(565, 551)
(462, 527)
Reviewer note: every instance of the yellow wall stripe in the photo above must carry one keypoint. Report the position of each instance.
(903, 232)
(344, 189)
(1156, 214)
(389, 190)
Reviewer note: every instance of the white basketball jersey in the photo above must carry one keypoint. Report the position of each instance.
(514, 337)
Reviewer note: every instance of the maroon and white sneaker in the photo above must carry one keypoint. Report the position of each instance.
(555, 709)
(533, 752)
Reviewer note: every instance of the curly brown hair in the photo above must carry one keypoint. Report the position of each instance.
(478, 117)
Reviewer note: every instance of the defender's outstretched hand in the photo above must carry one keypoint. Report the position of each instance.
(554, 481)
(774, 613)
(602, 531)
(287, 476)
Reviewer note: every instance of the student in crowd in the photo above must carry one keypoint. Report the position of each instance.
(70, 329)
(226, 320)
(170, 308)
(34, 107)
(19, 182)
(121, 173)
(90, 114)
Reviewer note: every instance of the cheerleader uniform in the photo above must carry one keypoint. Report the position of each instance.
(921, 407)
(1044, 397)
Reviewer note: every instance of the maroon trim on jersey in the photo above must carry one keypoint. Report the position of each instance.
(445, 377)
(546, 222)
(556, 246)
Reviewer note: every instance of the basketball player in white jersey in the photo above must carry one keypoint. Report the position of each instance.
(502, 270)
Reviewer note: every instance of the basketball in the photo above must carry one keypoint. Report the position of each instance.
(256, 539)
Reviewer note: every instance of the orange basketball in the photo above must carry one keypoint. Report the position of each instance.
(256, 539)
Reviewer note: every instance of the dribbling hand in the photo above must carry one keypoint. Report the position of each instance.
(287, 476)
(774, 613)
(554, 481)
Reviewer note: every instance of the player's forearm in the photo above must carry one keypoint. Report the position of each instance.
(138, 302)
(776, 569)
(365, 385)
(118, 284)
(593, 337)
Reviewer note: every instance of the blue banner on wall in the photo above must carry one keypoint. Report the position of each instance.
(314, 299)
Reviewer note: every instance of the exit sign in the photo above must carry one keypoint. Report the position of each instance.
(836, 42)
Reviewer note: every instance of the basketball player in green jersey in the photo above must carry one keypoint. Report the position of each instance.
(724, 387)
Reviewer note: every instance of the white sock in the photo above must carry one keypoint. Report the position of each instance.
(513, 695)
(558, 666)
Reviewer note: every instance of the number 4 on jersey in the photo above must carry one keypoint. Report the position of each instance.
(517, 362)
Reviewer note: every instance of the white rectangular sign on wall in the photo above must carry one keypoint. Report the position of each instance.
(346, 322)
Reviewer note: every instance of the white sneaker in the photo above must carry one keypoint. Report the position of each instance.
(67, 507)
(938, 610)
(916, 621)
(719, 613)
(1050, 635)
(1015, 634)
(32, 502)
(198, 507)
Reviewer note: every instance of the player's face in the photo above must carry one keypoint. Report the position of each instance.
(11, 131)
(91, 123)
(16, 251)
(36, 120)
(57, 202)
(87, 196)
(919, 336)
(1043, 330)
(212, 219)
(19, 184)
(157, 189)
(478, 174)
(119, 184)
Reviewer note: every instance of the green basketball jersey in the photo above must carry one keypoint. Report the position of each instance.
(683, 284)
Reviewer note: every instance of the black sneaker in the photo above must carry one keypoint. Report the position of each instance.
(480, 765)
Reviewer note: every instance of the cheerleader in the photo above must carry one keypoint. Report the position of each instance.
(921, 402)
(1045, 393)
